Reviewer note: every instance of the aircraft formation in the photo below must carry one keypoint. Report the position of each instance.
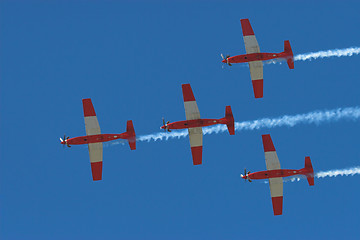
(94, 138)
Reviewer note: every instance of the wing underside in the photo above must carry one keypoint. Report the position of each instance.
(256, 67)
(276, 184)
(195, 134)
(95, 149)
(257, 79)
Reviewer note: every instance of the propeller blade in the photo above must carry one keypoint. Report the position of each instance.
(61, 140)
(222, 56)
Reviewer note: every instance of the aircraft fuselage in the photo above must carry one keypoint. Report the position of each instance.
(195, 123)
(256, 57)
(278, 173)
(95, 138)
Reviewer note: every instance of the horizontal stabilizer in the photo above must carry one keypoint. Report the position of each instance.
(289, 53)
(310, 176)
(230, 120)
(131, 132)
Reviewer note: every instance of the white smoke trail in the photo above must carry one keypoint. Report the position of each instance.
(345, 52)
(338, 172)
(315, 117)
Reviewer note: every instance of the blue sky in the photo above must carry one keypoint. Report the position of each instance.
(131, 59)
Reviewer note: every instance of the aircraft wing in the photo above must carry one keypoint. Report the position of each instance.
(96, 157)
(251, 44)
(256, 67)
(256, 73)
(95, 149)
(191, 108)
(195, 134)
(276, 184)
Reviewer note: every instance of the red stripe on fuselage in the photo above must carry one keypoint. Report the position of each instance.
(197, 155)
(277, 203)
(187, 93)
(246, 27)
(96, 169)
(267, 143)
(88, 108)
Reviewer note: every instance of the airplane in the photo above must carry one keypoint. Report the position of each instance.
(94, 138)
(275, 174)
(194, 123)
(254, 57)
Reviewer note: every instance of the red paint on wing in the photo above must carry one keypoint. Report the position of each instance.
(88, 108)
(267, 143)
(246, 27)
(96, 169)
(258, 86)
(187, 93)
(197, 155)
(277, 203)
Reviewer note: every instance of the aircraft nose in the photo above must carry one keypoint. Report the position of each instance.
(224, 61)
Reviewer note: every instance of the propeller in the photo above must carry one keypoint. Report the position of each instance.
(166, 125)
(65, 140)
(246, 175)
(226, 59)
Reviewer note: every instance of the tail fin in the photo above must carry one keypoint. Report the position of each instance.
(289, 53)
(310, 176)
(230, 120)
(131, 132)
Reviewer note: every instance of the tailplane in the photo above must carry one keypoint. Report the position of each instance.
(131, 132)
(289, 54)
(230, 120)
(310, 175)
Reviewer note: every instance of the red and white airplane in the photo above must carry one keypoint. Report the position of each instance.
(254, 57)
(194, 123)
(94, 138)
(275, 174)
